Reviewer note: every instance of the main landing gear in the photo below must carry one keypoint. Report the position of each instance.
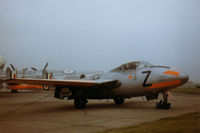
(80, 103)
(13, 91)
(118, 101)
(163, 104)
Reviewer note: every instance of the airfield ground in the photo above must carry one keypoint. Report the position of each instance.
(39, 112)
(187, 123)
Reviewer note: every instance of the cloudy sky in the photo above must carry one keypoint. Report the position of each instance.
(101, 34)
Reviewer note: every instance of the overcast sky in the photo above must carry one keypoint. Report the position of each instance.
(101, 34)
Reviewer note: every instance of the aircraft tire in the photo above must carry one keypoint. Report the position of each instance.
(161, 105)
(46, 88)
(13, 91)
(118, 101)
(80, 103)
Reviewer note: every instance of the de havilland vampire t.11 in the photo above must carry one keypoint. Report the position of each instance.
(137, 78)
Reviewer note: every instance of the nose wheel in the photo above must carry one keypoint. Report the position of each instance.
(163, 104)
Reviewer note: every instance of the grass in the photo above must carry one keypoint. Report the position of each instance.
(189, 123)
(187, 90)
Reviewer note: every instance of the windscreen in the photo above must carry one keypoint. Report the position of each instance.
(133, 66)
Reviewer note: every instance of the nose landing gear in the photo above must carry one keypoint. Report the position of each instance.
(163, 104)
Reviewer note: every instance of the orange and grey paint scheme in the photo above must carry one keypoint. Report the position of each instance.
(170, 72)
(25, 87)
(132, 79)
(167, 83)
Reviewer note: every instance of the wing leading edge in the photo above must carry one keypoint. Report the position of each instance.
(66, 83)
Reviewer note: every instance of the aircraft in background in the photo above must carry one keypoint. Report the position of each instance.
(2, 62)
(24, 73)
(37, 74)
(132, 79)
(72, 74)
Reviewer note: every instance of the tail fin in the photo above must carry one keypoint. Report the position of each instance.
(12, 67)
(10, 74)
(45, 67)
(48, 76)
(1, 67)
(44, 71)
(33, 68)
(23, 72)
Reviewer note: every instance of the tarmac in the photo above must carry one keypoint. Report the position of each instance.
(35, 111)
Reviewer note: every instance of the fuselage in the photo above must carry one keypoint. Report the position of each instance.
(141, 81)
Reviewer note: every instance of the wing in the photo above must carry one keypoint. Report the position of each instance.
(66, 83)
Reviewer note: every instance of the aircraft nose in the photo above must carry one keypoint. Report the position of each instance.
(184, 78)
(177, 75)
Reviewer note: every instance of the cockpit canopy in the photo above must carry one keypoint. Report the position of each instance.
(132, 66)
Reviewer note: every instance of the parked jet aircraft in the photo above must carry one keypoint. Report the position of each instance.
(137, 78)
(30, 74)
(2, 62)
